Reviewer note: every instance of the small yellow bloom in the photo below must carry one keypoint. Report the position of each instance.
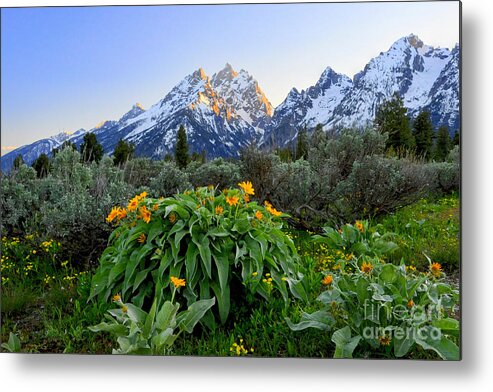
(124, 309)
(177, 282)
(122, 213)
(210, 187)
(142, 195)
(410, 303)
(155, 207)
(366, 267)
(271, 209)
(34, 251)
(133, 204)
(247, 187)
(142, 238)
(172, 218)
(385, 340)
(116, 297)
(436, 269)
(359, 226)
(232, 201)
(327, 280)
(112, 215)
(246, 198)
(219, 210)
(258, 215)
(255, 273)
(145, 214)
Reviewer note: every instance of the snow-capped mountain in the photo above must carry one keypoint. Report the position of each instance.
(229, 110)
(425, 77)
(308, 107)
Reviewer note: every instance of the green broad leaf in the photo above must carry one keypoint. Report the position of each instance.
(205, 255)
(141, 276)
(149, 321)
(402, 344)
(179, 236)
(218, 232)
(345, 344)
(362, 289)
(297, 289)
(155, 230)
(116, 271)
(13, 345)
(166, 317)
(388, 273)
(162, 341)
(189, 318)
(136, 314)
(329, 296)
(223, 300)
(241, 226)
(114, 328)
(448, 326)
(222, 265)
(98, 283)
(444, 347)
(191, 261)
(240, 252)
(182, 212)
(320, 320)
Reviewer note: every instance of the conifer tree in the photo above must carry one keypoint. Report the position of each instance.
(391, 118)
(302, 144)
(423, 134)
(90, 148)
(18, 161)
(456, 139)
(443, 143)
(182, 156)
(42, 165)
(123, 152)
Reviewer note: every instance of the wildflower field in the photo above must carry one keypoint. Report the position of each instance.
(220, 272)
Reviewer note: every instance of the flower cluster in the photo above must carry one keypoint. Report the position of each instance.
(239, 349)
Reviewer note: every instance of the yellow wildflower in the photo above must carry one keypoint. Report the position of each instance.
(359, 226)
(155, 207)
(232, 201)
(124, 309)
(219, 210)
(122, 213)
(112, 215)
(145, 214)
(410, 303)
(258, 215)
(172, 218)
(366, 267)
(246, 198)
(385, 340)
(133, 204)
(177, 282)
(142, 238)
(436, 269)
(247, 187)
(116, 297)
(327, 280)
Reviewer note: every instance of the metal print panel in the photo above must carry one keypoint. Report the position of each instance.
(286, 186)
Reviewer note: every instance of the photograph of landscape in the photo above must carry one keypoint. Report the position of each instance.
(235, 180)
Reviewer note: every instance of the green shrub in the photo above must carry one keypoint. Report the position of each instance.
(386, 310)
(169, 181)
(211, 239)
(218, 172)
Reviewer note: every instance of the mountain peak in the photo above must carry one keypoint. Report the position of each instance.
(138, 106)
(200, 74)
(414, 41)
(225, 74)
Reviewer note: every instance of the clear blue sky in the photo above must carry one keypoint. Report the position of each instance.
(67, 68)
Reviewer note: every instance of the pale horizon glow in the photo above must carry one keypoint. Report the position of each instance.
(70, 67)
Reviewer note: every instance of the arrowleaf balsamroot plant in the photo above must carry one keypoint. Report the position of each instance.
(208, 236)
